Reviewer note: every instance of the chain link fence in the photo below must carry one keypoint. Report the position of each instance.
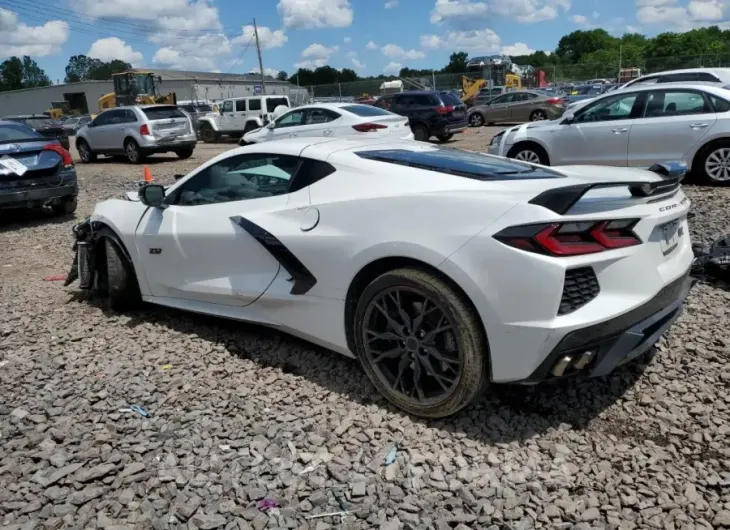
(553, 74)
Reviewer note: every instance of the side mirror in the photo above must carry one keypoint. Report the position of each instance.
(568, 118)
(271, 125)
(152, 195)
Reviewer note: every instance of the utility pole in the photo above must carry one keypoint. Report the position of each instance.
(258, 51)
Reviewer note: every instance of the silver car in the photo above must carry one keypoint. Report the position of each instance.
(136, 132)
(635, 127)
(518, 106)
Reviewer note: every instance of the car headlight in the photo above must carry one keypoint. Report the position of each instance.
(496, 138)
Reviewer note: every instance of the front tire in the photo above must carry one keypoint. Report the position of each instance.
(712, 165)
(529, 152)
(420, 133)
(420, 343)
(122, 289)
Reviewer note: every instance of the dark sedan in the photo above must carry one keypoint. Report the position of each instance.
(44, 125)
(35, 171)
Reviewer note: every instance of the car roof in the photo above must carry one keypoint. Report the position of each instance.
(25, 116)
(688, 70)
(689, 85)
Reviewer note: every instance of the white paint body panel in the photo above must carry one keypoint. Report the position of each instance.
(367, 210)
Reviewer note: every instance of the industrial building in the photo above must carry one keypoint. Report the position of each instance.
(84, 96)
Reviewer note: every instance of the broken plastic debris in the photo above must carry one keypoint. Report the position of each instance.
(165, 367)
(3, 363)
(390, 457)
(224, 447)
(137, 409)
(331, 514)
(267, 504)
(55, 278)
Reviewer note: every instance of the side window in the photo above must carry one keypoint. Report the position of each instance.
(239, 178)
(316, 116)
(240, 105)
(661, 103)
(254, 104)
(228, 106)
(102, 119)
(720, 104)
(292, 119)
(116, 117)
(608, 109)
(504, 98)
(404, 101)
(310, 172)
(129, 116)
(426, 101)
(383, 103)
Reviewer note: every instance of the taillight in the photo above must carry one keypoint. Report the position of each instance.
(369, 127)
(144, 130)
(445, 110)
(571, 238)
(65, 155)
(554, 101)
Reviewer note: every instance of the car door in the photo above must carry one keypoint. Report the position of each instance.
(209, 245)
(98, 135)
(227, 121)
(498, 108)
(322, 122)
(116, 130)
(673, 123)
(521, 106)
(599, 133)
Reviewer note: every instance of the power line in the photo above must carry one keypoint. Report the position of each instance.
(241, 55)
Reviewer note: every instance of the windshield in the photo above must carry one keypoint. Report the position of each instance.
(272, 103)
(203, 108)
(456, 162)
(16, 132)
(366, 110)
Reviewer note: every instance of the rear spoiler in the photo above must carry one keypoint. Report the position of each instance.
(561, 200)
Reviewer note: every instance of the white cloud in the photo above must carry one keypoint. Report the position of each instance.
(357, 64)
(194, 53)
(198, 17)
(273, 72)
(112, 48)
(579, 19)
(633, 29)
(396, 52)
(680, 17)
(316, 55)
(17, 38)
(371, 46)
(517, 49)
(347, 40)
(482, 41)
(390, 4)
(530, 11)
(454, 10)
(268, 38)
(309, 14)
(473, 14)
(392, 68)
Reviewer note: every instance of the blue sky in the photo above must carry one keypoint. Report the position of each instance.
(369, 36)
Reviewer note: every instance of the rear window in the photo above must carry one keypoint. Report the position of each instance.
(203, 108)
(272, 103)
(366, 110)
(40, 123)
(457, 162)
(163, 113)
(17, 132)
(450, 99)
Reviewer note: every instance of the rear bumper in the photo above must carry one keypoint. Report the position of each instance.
(161, 144)
(34, 197)
(446, 127)
(616, 341)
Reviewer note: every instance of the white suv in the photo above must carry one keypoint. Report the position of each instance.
(237, 116)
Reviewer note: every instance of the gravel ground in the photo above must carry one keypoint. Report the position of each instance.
(240, 413)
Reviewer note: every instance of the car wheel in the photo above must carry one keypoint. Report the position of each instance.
(445, 137)
(207, 134)
(420, 133)
(65, 206)
(538, 115)
(420, 343)
(476, 120)
(184, 153)
(530, 153)
(713, 164)
(85, 152)
(120, 283)
(133, 152)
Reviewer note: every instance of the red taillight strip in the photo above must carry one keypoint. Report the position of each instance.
(546, 238)
(65, 155)
(600, 234)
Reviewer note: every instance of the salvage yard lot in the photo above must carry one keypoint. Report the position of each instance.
(241, 412)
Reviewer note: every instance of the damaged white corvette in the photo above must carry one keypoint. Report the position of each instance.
(441, 270)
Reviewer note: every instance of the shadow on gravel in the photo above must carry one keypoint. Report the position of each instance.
(25, 218)
(506, 413)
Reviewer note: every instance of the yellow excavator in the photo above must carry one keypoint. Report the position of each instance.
(135, 88)
(471, 87)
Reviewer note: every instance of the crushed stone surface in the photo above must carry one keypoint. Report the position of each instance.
(241, 413)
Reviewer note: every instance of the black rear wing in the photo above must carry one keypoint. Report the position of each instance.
(561, 200)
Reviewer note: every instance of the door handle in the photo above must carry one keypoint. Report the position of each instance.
(699, 125)
(620, 130)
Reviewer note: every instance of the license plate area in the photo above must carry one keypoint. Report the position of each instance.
(669, 235)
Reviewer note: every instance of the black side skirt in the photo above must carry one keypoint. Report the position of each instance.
(303, 279)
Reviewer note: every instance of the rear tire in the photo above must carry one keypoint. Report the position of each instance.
(85, 153)
(122, 289)
(710, 164)
(420, 133)
(445, 137)
(133, 152)
(529, 152)
(538, 115)
(66, 206)
(184, 154)
(207, 134)
(476, 120)
(461, 348)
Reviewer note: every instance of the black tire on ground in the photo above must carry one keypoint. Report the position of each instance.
(538, 115)
(66, 206)
(420, 133)
(207, 134)
(467, 336)
(522, 152)
(445, 137)
(476, 120)
(122, 290)
(85, 153)
(715, 153)
(133, 152)
(184, 153)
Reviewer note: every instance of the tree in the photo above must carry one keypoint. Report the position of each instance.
(347, 75)
(457, 63)
(33, 75)
(16, 73)
(102, 71)
(579, 43)
(83, 68)
(281, 76)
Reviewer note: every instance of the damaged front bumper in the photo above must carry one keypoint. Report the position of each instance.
(83, 267)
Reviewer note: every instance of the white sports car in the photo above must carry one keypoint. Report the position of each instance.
(441, 270)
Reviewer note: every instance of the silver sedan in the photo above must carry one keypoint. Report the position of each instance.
(635, 127)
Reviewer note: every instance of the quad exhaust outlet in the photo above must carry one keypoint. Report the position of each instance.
(577, 362)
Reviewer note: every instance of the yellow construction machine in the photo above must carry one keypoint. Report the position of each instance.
(135, 88)
(471, 87)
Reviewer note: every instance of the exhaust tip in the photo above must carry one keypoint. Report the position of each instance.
(560, 366)
(584, 359)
